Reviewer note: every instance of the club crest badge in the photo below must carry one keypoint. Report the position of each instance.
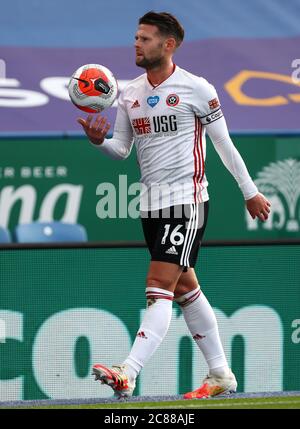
(172, 100)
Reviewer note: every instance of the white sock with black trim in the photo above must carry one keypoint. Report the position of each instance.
(202, 323)
(152, 331)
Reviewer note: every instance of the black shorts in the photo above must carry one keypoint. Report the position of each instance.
(174, 234)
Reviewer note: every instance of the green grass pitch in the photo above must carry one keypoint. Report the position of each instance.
(289, 402)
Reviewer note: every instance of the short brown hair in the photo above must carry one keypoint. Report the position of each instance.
(166, 23)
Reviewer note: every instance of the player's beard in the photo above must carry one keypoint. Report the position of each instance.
(151, 63)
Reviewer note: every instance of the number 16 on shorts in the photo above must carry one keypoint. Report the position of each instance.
(176, 237)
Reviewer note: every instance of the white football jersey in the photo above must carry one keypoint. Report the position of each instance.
(167, 124)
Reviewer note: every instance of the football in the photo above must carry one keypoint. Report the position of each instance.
(93, 88)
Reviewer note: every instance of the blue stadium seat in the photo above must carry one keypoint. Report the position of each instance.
(4, 235)
(49, 232)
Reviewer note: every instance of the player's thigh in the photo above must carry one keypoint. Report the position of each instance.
(186, 282)
(163, 275)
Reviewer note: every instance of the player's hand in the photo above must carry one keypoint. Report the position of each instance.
(96, 129)
(259, 206)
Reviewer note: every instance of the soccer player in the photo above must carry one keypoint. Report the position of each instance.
(166, 113)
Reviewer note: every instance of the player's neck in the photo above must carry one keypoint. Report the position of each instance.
(159, 75)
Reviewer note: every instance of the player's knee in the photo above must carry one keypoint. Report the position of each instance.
(186, 295)
(160, 282)
(159, 288)
(153, 294)
(183, 288)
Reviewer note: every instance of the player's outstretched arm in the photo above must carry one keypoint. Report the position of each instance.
(259, 206)
(256, 203)
(96, 129)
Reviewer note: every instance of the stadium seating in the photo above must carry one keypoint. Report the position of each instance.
(4, 235)
(49, 232)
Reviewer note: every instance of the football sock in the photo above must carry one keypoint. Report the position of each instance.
(202, 323)
(220, 372)
(153, 329)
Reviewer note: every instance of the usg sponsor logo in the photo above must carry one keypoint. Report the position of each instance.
(280, 183)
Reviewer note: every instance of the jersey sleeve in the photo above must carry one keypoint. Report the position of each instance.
(206, 102)
(231, 158)
(120, 145)
(208, 108)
